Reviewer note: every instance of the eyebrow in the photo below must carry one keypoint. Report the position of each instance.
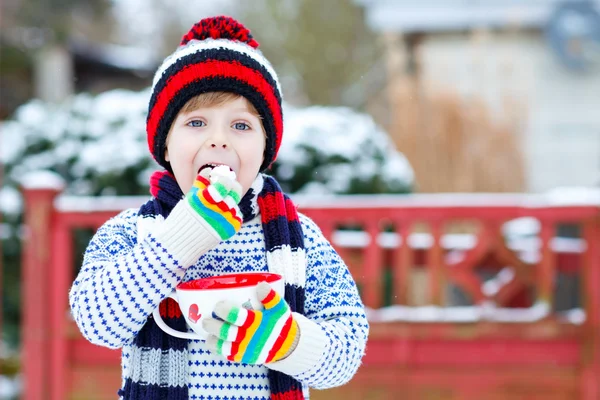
(246, 110)
(233, 110)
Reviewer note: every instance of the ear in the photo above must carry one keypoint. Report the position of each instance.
(167, 155)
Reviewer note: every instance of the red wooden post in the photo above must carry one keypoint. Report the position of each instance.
(463, 274)
(590, 375)
(373, 268)
(547, 266)
(436, 266)
(62, 261)
(36, 266)
(402, 265)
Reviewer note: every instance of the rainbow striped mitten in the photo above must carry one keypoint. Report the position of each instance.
(215, 195)
(253, 336)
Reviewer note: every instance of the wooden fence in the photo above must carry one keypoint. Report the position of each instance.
(440, 327)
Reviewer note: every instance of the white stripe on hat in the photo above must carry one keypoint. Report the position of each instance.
(196, 46)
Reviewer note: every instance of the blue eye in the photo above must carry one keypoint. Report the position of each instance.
(196, 123)
(240, 126)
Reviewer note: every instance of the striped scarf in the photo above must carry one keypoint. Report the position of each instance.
(283, 241)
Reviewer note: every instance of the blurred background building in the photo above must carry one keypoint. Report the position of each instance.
(516, 84)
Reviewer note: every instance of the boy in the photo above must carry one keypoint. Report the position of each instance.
(214, 123)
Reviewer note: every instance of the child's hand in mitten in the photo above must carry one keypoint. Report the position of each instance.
(215, 195)
(253, 336)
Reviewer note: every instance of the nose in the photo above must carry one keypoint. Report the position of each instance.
(218, 139)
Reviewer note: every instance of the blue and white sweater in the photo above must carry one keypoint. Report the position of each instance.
(124, 277)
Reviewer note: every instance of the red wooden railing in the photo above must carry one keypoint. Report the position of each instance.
(428, 350)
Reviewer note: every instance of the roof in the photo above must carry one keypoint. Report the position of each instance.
(128, 58)
(453, 15)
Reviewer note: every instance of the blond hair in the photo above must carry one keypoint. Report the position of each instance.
(214, 99)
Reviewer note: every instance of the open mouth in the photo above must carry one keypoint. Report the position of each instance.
(213, 165)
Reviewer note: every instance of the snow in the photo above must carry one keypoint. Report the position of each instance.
(16, 134)
(568, 196)
(105, 134)
(525, 226)
(466, 314)
(574, 316)
(5, 231)
(90, 204)
(10, 200)
(565, 245)
(557, 198)
(42, 180)
(96, 135)
(416, 200)
(528, 248)
(492, 286)
(456, 241)
(10, 387)
(339, 133)
(388, 240)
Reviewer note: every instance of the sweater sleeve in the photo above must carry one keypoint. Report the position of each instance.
(334, 331)
(122, 279)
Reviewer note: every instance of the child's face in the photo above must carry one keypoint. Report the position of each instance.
(226, 134)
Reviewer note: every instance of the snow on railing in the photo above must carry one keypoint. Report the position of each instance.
(469, 314)
(484, 312)
(566, 197)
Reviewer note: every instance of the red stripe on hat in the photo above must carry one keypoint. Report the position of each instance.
(272, 206)
(214, 69)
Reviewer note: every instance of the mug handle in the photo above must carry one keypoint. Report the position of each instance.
(162, 325)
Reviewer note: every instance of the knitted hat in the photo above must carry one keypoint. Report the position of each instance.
(217, 54)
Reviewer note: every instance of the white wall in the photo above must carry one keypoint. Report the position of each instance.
(561, 136)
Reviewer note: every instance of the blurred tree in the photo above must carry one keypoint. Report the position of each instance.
(53, 21)
(34, 36)
(15, 78)
(323, 51)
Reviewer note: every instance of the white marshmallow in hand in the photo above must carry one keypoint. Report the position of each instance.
(226, 177)
(221, 171)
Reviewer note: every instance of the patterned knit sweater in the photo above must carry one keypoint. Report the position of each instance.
(123, 279)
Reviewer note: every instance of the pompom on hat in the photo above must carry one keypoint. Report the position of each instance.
(217, 54)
